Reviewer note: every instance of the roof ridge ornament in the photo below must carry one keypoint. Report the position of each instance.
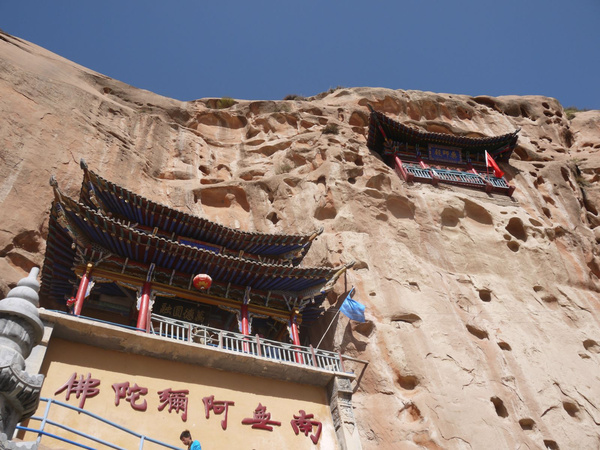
(316, 233)
(57, 193)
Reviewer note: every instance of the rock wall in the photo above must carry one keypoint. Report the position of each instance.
(483, 327)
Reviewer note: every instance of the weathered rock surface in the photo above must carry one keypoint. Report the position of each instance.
(483, 326)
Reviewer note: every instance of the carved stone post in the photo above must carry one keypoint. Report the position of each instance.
(20, 330)
(340, 404)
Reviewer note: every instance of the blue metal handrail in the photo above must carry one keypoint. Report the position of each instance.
(44, 420)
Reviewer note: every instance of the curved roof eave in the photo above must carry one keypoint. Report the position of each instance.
(382, 127)
(126, 203)
(92, 229)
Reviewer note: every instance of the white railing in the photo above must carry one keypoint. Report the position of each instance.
(418, 171)
(498, 182)
(459, 177)
(251, 345)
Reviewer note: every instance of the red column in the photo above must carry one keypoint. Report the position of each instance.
(295, 336)
(142, 321)
(245, 323)
(83, 285)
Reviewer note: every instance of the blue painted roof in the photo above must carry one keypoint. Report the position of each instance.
(107, 197)
(382, 127)
(95, 234)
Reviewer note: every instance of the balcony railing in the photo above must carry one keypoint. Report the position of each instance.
(250, 345)
(421, 173)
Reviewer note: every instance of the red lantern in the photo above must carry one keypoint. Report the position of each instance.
(202, 281)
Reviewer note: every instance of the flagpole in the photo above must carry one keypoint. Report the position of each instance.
(330, 323)
(487, 165)
(336, 314)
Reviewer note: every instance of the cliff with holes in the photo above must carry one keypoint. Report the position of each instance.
(482, 310)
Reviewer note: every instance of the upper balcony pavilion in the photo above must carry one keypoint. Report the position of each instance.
(118, 257)
(436, 158)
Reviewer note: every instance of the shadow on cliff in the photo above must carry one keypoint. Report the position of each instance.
(350, 340)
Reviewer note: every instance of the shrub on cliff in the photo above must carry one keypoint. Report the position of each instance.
(331, 128)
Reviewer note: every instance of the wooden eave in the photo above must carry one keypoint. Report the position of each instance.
(382, 128)
(107, 197)
(92, 229)
(79, 234)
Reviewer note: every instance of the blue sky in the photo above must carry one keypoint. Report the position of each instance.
(268, 49)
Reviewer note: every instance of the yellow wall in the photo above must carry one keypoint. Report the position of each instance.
(282, 399)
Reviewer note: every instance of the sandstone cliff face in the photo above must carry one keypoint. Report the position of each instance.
(483, 327)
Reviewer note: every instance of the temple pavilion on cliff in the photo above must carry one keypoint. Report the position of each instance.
(138, 345)
(441, 158)
(123, 243)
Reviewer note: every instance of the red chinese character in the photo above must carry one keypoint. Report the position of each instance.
(83, 388)
(217, 408)
(177, 400)
(261, 419)
(304, 424)
(131, 394)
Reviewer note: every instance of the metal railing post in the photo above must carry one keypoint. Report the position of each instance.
(43, 424)
(341, 361)
(258, 352)
(314, 357)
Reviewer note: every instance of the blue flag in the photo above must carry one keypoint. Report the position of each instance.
(353, 309)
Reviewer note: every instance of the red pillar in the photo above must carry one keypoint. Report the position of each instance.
(245, 322)
(142, 321)
(245, 325)
(83, 285)
(295, 336)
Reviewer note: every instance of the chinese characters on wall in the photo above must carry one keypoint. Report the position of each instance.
(177, 400)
